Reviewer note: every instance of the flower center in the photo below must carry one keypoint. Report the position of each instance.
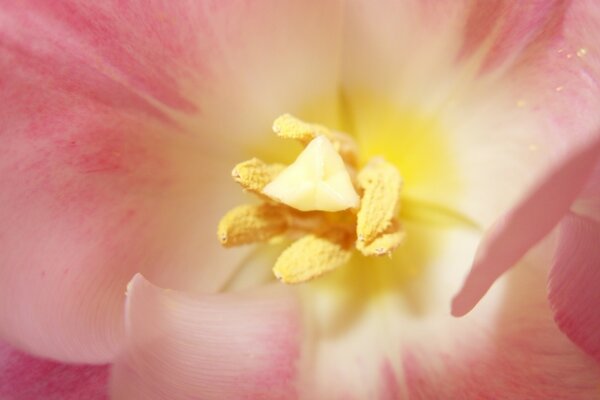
(320, 200)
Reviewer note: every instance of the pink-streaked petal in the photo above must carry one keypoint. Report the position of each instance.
(527, 223)
(113, 159)
(574, 281)
(359, 317)
(453, 126)
(222, 346)
(508, 348)
(557, 79)
(505, 29)
(387, 334)
(91, 195)
(24, 377)
(588, 203)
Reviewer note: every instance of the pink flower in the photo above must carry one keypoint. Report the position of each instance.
(120, 125)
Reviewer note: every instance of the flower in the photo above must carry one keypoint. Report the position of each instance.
(121, 123)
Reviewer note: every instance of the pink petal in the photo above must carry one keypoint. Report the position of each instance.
(360, 318)
(453, 125)
(91, 195)
(23, 377)
(527, 223)
(223, 346)
(507, 348)
(387, 334)
(574, 281)
(508, 29)
(557, 78)
(118, 124)
(588, 203)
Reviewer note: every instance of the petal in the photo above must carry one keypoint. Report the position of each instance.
(360, 317)
(588, 203)
(113, 159)
(506, 29)
(468, 140)
(507, 348)
(223, 346)
(462, 139)
(90, 195)
(23, 377)
(387, 334)
(527, 223)
(557, 79)
(574, 281)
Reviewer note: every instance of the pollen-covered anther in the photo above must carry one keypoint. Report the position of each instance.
(253, 175)
(252, 223)
(289, 127)
(313, 255)
(385, 243)
(381, 183)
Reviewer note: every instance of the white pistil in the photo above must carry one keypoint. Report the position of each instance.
(317, 181)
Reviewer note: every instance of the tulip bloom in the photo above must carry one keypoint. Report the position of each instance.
(121, 123)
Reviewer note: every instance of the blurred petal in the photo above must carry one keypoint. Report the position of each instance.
(574, 281)
(359, 317)
(507, 348)
(387, 333)
(588, 203)
(117, 145)
(462, 138)
(527, 223)
(557, 79)
(23, 377)
(222, 346)
(507, 29)
(90, 195)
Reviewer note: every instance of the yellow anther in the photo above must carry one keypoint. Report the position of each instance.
(385, 243)
(252, 223)
(253, 175)
(381, 184)
(289, 127)
(317, 180)
(312, 256)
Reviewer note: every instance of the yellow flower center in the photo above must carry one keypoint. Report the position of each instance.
(320, 199)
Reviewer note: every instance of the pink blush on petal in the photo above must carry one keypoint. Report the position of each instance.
(513, 28)
(573, 283)
(23, 377)
(278, 381)
(389, 386)
(220, 346)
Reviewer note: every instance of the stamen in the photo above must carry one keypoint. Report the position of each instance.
(317, 180)
(381, 184)
(385, 243)
(251, 224)
(299, 197)
(253, 175)
(312, 256)
(289, 127)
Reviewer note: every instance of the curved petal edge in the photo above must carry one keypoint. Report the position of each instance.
(219, 346)
(573, 283)
(539, 211)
